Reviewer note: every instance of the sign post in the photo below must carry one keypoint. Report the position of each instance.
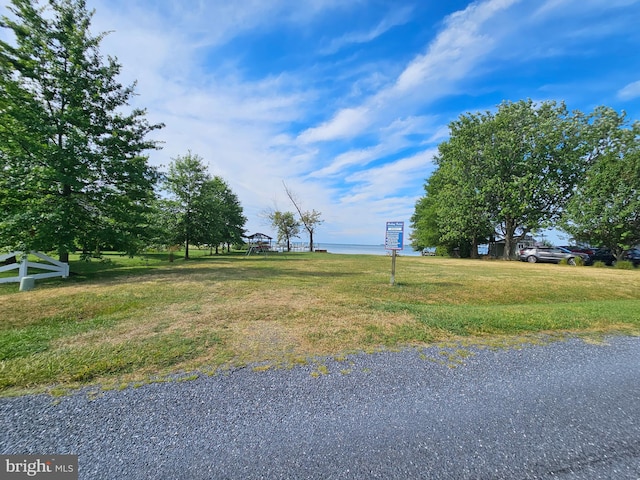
(393, 240)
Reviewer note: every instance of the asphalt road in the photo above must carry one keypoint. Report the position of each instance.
(566, 410)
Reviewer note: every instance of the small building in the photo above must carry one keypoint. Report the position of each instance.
(496, 247)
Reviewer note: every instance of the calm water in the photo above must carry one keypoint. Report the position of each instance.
(363, 249)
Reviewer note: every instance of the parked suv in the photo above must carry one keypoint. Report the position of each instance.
(547, 254)
(577, 253)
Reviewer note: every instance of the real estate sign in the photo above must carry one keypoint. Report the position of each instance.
(394, 237)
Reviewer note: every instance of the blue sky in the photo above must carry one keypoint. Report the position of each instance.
(346, 101)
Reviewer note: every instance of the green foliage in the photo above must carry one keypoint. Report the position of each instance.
(604, 208)
(624, 265)
(463, 218)
(74, 173)
(576, 261)
(424, 221)
(442, 251)
(508, 173)
(204, 210)
(185, 181)
(286, 225)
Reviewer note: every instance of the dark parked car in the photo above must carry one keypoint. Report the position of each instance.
(602, 255)
(547, 254)
(633, 256)
(588, 251)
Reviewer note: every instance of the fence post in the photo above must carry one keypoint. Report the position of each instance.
(22, 271)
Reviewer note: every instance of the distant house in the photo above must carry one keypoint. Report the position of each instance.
(496, 248)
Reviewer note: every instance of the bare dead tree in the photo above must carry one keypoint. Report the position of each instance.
(310, 218)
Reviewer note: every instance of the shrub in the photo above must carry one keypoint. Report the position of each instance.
(573, 261)
(442, 251)
(624, 265)
(599, 264)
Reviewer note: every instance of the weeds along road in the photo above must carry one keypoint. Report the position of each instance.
(568, 410)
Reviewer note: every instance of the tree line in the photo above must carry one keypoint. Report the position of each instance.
(531, 166)
(74, 173)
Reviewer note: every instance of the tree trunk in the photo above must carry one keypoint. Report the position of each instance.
(474, 248)
(310, 240)
(63, 252)
(509, 245)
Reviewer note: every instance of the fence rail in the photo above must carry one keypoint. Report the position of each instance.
(54, 267)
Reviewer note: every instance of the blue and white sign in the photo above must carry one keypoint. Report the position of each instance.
(394, 237)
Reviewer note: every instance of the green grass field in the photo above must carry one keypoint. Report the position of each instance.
(123, 321)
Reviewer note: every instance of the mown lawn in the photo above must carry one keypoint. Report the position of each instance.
(122, 321)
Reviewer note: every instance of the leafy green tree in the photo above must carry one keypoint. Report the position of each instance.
(186, 181)
(220, 216)
(207, 210)
(461, 207)
(71, 152)
(513, 171)
(445, 218)
(605, 208)
(286, 225)
(532, 156)
(424, 221)
(232, 216)
(164, 224)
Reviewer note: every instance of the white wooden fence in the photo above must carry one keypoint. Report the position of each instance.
(56, 268)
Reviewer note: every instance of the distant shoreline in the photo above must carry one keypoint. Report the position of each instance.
(357, 249)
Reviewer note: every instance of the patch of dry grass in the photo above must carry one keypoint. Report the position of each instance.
(128, 323)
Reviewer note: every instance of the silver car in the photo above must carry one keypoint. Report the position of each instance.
(547, 254)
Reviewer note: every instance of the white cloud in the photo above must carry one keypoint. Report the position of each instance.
(389, 179)
(393, 138)
(240, 126)
(396, 17)
(630, 91)
(346, 123)
(456, 49)
(450, 57)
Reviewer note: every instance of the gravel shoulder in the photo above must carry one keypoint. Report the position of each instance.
(567, 409)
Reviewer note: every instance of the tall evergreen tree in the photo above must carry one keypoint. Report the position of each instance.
(71, 151)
